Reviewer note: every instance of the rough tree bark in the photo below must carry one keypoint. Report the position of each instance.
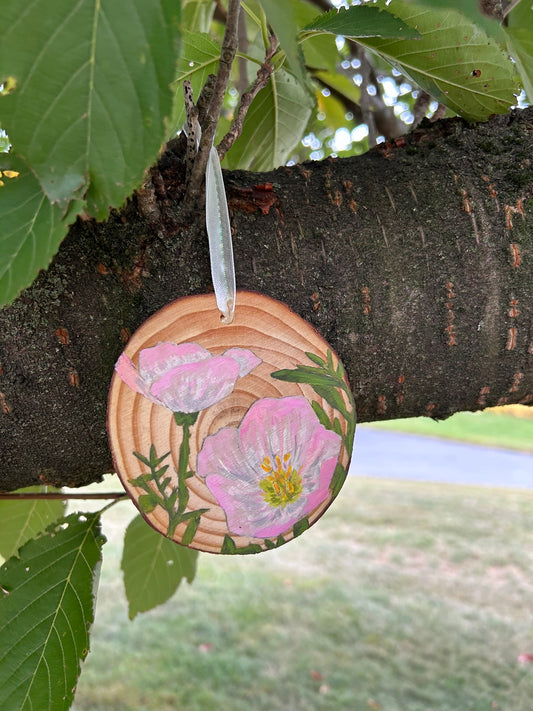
(414, 261)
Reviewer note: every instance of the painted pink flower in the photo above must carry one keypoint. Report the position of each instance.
(272, 470)
(185, 378)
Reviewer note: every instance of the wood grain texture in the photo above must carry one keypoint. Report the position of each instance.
(274, 334)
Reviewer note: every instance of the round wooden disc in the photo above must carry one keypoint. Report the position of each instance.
(230, 438)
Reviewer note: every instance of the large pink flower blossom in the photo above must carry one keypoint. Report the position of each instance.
(273, 470)
(185, 378)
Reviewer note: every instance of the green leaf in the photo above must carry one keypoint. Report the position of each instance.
(281, 17)
(24, 519)
(300, 526)
(92, 92)
(31, 227)
(320, 50)
(469, 8)
(332, 396)
(190, 531)
(519, 35)
(228, 546)
(148, 502)
(46, 616)
(317, 360)
(250, 549)
(196, 15)
(199, 58)
(337, 480)
(455, 61)
(362, 21)
(153, 567)
(305, 374)
(320, 413)
(142, 459)
(274, 124)
(340, 370)
(341, 84)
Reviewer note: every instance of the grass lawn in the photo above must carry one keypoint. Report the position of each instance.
(405, 597)
(510, 427)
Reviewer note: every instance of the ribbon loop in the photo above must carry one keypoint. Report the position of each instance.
(219, 234)
(216, 216)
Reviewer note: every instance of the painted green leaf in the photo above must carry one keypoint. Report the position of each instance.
(228, 546)
(362, 21)
(332, 396)
(321, 414)
(147, 502)
(190, 531)
(317, 360)
(91, 92)
(306, 374)
(24, 519)
(250, 549)
(281, 17)
(519, 35)
(300, 526)
(46, 616)
(153, 567)
(275, 123)
(337, 480)
(455, 61)
(199, 58)
(31, 227)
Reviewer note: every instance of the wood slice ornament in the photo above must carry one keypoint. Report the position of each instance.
(230, 438)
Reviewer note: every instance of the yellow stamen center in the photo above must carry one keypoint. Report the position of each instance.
(283, 483)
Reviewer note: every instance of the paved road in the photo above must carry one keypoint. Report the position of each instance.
(394, 455)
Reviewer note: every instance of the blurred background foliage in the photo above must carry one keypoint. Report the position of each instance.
(359, 97)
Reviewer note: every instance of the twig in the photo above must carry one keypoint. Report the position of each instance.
(261, 80)
(510, 7)
(242, 81)
(205, 98)
(192, 128)
(62, 497)
(229, 48)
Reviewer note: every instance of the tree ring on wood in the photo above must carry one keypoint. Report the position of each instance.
(230, 438)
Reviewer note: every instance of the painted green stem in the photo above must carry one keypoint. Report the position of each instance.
(176, 502)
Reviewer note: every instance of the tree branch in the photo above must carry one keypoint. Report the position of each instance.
(61, 496)
(414, 261)
(227, 55)
(261, 80)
